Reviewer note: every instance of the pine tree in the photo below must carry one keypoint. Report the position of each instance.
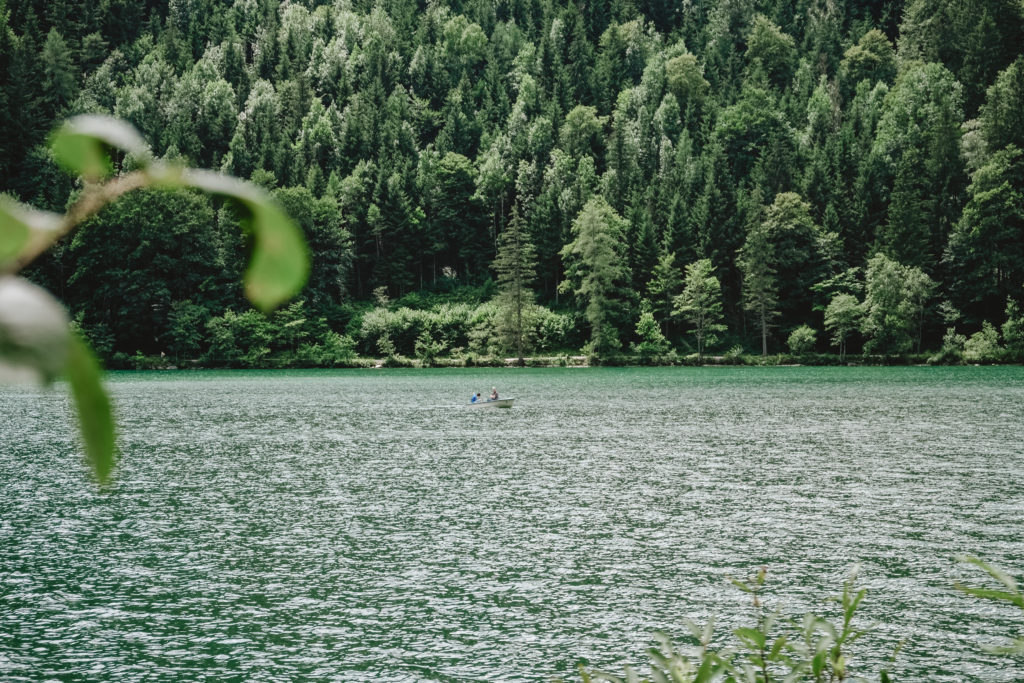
(515, 268)
(597, 272)
(760, 295)
(60, 80)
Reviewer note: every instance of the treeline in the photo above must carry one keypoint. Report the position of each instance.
(676, 175)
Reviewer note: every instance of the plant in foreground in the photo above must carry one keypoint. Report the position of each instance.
(36, 339)
(1009, 593)
(772, 649)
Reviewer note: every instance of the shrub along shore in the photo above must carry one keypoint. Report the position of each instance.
(471, 331)
(140, 361)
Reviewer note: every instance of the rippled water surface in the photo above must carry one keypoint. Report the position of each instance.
(365, 526)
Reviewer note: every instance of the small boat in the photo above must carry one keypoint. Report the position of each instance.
(496, 403)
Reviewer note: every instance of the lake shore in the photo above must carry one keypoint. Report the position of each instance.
(571, 360)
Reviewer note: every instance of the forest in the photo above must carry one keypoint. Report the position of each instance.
(506, 177)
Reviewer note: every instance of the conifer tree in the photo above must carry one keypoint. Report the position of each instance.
(597, 272)
(515, 268)
(760, 295)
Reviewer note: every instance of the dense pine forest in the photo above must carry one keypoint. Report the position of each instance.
(512, 176)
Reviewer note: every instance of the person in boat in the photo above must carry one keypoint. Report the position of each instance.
(475, 397)
(494, 394)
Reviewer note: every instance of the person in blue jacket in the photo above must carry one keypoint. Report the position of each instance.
(475, 397)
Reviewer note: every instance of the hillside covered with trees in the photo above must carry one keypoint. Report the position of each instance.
(501, 177)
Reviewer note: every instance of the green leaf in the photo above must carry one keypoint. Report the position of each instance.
(279, 264)
(95, 417)
(996, 573)
(850, 605)
(990, 594)
(706, 671)
(13, 232)
(20, 226)
(34, 331)
(818, 663)
(702, 634)
(751, 637)
(81, 144)
(1015, 647)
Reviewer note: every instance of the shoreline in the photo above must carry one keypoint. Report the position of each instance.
(164, 363)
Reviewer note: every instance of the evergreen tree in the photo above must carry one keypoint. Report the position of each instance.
(60, 78)
(1002, 115)
(795, 257)
(597, 273)
(515, 270)
(759, 283)
(986, 248)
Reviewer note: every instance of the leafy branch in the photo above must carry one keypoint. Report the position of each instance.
(1012, 595)
(35, 334)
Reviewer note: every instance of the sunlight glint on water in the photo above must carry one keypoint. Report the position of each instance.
(365, 526)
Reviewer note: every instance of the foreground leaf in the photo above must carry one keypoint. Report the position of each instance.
(34, 333)
(95, 418)
(1013, 595)
(81, 144)
(279, 264)
(13, 232)
(21, 226)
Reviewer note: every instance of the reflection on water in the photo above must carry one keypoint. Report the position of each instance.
(365, 526)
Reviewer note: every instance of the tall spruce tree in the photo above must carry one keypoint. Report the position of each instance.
(597, 272)
(515, 268)
(760, 289)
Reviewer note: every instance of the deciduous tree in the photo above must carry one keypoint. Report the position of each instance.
(701, 304)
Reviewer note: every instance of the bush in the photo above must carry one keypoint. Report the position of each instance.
(1013, 329)
(482, 325)
(550, 331)
(774, 648)
(983, 346)
(952, 351)
(733, 356)
(334, 351)
(427, 349)
(802, 340)
(237, 339)
(397, 362)
(400, 327)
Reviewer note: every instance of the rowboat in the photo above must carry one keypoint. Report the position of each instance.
(496, 403)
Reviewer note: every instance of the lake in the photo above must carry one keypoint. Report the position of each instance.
(364, 525)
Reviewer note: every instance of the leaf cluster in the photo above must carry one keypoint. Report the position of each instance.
(35, 334)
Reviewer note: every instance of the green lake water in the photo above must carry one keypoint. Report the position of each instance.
(367, 526)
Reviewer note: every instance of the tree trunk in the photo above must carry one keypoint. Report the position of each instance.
(764, 332)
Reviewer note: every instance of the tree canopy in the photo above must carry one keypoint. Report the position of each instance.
(403, 136)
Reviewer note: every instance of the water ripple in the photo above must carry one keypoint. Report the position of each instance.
(363, 526)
